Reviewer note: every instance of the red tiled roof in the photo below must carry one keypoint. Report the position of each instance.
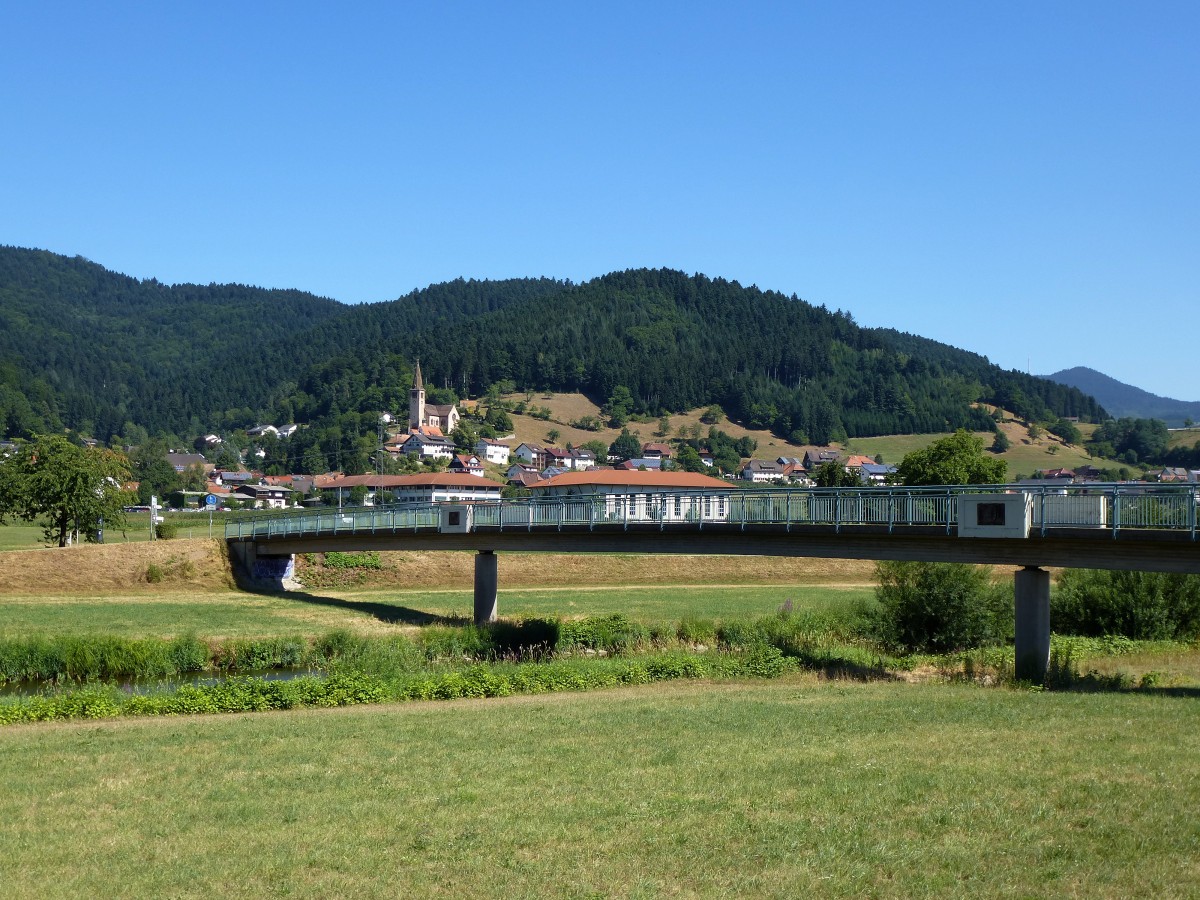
(430, 479)
(635, 478)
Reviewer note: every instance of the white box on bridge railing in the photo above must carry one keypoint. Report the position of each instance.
(993, 515)
(455, 518)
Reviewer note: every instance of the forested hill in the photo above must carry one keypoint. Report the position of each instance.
(94, 350)
(1122, 399)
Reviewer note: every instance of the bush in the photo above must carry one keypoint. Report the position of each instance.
(697, 631)
(1137, 605)
(613, 633)
(165, 531)
(938, 607)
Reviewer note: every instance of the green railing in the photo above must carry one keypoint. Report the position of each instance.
(1106, 508)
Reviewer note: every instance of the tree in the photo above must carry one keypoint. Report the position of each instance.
(553, 435)
(153, 471)
(71, 489)
(956, 459)
(938, 607)
(1000, 443)
(626, 446)
(833, 474)
(499, 419)
(619, 406)
(194, 478)
(1138, 605)
(688, 459)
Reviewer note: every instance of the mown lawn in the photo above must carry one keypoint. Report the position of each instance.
(235, 614)
(776, 789)
(28, 535)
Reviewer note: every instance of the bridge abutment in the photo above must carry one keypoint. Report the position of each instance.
(487, 580)
(1031, 593)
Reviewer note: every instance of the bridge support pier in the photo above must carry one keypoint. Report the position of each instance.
(1031, 590)
(487, 579)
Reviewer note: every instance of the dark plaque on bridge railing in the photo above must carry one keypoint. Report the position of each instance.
(990, 514)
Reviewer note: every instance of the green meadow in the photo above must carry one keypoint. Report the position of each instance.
(866, 777)
(787, 788)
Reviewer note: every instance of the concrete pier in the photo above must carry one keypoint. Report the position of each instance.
(487, 579)
(1031, 590)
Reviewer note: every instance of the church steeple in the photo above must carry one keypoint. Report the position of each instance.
(416, 400)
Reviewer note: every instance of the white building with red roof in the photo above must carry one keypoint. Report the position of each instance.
(645, 496)
(431, 487)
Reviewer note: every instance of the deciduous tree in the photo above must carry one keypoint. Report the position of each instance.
(956, 459)
(70, 489)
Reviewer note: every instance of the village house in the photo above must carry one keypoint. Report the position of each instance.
(655, 450)
(428, 446)
(876, 473)
(495, 452)
(1168, 475)
(761, 471)
(431, 487)
(633, 496)
(264, 496)
(815, 457)
(582, 460)
(467, 465)
(522, 478)
(557, 457)
(653, 463)
(180, 462)
(531, 455)
(231, 478)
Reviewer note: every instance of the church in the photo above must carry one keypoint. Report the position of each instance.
(428, 418)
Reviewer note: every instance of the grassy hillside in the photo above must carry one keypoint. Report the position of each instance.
(1024, 456)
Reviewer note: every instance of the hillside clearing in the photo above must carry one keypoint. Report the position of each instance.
(1025, 455)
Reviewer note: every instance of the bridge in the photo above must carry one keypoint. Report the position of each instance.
(1104, 526)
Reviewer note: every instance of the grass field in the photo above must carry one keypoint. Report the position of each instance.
(27, 536)
(232, 614)
(802, 786)
(1183, 437)
(1024, 456)
(775, 789)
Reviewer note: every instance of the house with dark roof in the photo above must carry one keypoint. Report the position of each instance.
(531, 454)
(428, 446)
(264, 496)
(466, 464)
(180, 462)
(761, 471)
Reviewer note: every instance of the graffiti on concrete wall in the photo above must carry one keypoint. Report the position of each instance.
(275, 568)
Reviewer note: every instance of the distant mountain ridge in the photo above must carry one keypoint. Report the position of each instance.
(1123, 400)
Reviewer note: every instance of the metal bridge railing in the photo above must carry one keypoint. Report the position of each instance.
(1109, 508)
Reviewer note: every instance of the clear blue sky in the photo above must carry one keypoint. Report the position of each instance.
(1018, 179)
